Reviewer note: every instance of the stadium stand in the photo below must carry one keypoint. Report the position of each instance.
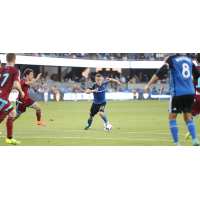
(108, 56)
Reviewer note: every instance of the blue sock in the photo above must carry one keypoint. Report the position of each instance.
(104, 118)
(90, 122)
(191, 128)
(174, 130)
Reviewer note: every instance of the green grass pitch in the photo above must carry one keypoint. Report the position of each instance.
(135, 123)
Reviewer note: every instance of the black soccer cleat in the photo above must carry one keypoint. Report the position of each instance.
(87, 127)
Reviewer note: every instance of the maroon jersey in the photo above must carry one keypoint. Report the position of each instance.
(197, 87)
(8, 75)
(25, 89)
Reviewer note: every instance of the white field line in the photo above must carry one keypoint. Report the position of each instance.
(91, 138)
(90, 131)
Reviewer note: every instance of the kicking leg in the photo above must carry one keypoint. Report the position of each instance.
(38, 114)
(103, 116)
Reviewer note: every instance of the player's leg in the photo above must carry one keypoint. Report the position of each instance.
(93, 112)
(102, 112)
(9, 124)
(195, 113)
(187, 110)
(32, 104)
(191, 128)
(2, 108)
(103, 116)
(20, 108)
(174, 128)
(174, 109)
(37, 107)
(90, 120)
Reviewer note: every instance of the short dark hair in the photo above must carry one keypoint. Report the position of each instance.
(10, 57)
(197, 56)
(27, 72)
(98, 75)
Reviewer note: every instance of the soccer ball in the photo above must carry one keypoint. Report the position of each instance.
(107, 127)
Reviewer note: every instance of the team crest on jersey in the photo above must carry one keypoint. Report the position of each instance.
(104, 86)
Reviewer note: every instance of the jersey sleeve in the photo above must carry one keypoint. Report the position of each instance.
(16, 75)
(92, 87)
(168, 62)
(162, 71)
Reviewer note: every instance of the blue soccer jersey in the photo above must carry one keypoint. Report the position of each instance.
(100, 96)
(181, 68)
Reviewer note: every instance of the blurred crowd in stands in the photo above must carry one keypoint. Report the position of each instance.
(92, 56)
(54, 89)
(109, 56)
(42, 86)
(78, 89)
(134, 79)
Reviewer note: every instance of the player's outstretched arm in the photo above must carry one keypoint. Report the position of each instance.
(153, 79)
(33, 81)
(18, 87)
(160, 72)
(113, 80)
(88, 91)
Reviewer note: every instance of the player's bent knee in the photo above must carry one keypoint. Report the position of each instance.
(12, 113)
(101, 114)
(39, 108)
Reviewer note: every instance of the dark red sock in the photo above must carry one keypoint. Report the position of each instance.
(9, 125)
(38, 114)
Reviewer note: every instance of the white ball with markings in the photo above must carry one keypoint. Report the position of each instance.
(107, 127)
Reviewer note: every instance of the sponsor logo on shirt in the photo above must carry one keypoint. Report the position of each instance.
(197, 93)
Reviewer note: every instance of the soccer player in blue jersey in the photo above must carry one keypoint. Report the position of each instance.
(182, 92)
(99, 104)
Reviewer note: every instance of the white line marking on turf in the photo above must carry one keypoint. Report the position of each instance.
(90, 131)
(99, 138)
(75, 130)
